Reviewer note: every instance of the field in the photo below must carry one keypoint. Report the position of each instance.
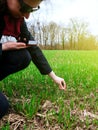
(38, 104)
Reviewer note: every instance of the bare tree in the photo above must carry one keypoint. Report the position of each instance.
(45, 35)
(77, 31)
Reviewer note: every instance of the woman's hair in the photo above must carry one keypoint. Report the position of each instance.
(3, 5)
(2, 1)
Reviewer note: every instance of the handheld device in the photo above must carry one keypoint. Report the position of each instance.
(27, 41)
(32, 42)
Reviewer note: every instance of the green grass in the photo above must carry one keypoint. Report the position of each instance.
(31, 89)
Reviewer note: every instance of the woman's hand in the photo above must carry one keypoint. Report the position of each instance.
(58, 80)
(13, 46)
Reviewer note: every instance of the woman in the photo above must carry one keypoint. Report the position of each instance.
(15, 56)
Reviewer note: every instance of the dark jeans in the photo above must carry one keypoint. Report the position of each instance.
(4, 105)
(11, 62)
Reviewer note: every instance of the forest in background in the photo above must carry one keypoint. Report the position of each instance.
(74, 36)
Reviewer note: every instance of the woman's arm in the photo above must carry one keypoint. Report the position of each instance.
(41, 62)
(37, 55)
(58, 80)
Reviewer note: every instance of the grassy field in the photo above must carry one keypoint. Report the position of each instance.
(38, 104)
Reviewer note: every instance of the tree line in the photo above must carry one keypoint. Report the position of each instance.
(75, 36)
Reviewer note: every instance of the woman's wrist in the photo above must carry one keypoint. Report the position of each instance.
(4, 47)
(52, 75)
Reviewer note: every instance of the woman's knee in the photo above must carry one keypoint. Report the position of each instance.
(27, 59)
(4, 105)
(14, 61)
(19, 59)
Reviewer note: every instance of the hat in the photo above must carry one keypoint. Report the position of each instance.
(32, 2)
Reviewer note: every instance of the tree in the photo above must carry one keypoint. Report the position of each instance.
(77, 32)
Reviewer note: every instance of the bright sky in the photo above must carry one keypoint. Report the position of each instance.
(61, 11)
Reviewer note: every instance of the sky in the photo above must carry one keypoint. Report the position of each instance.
(61, 11)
